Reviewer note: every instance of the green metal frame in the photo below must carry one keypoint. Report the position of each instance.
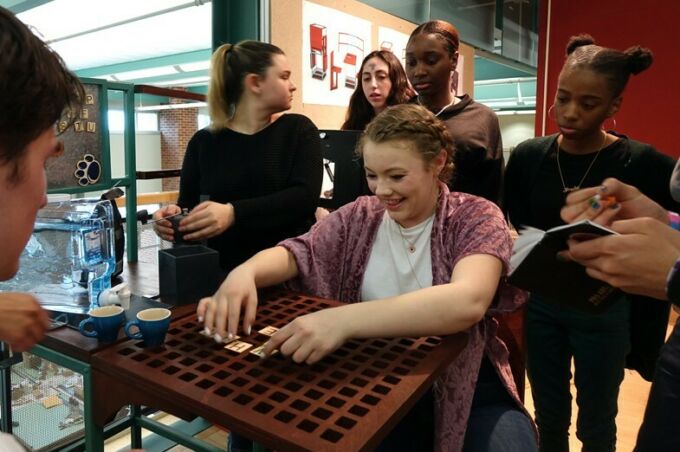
(166, 60)
(180, 432)
(129, 180)
(94, 436)
(234, 21)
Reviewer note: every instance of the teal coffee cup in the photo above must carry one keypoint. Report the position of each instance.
(152, 324)
(103, 323)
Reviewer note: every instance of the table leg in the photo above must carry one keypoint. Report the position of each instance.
(135, 428)
(94, 434)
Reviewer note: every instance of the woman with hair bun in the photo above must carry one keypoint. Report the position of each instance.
(250, 181)
(539, 175)
(431, 61)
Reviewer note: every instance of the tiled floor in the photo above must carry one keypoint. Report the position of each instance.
(213, 435)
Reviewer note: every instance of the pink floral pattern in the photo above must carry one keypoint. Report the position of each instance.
(333, 255)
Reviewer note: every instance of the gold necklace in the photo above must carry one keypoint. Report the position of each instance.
(453, 102)
(411, 246)
(566, 189)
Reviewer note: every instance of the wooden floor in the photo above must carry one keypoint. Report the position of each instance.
(632, 401)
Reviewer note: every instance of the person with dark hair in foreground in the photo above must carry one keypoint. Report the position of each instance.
(35, 90)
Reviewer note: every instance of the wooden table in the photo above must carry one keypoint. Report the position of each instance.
(349, 401)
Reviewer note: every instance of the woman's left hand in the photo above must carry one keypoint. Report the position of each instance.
(309, 338)
(207, 220)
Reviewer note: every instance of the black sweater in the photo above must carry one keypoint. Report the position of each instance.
(533, 188)
(272, 178)
(477, 149)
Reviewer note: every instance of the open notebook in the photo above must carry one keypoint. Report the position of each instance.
(535, 267)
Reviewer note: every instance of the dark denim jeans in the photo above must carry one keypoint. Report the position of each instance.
(599, 344)
(238, 443)
(660, 429)
(496, 424)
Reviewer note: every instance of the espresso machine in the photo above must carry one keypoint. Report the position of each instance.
(70, 256)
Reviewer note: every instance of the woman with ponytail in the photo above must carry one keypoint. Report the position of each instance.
(539, 175)
(249, 180)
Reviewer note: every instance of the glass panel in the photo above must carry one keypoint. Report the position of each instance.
(146, 122)
(116, 121)
(520, 30)
(47, 403)
(474, 19)
(416, 11)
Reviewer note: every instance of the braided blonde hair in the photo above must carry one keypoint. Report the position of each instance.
(415, 124)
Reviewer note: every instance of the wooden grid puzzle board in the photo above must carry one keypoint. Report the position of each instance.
(348, 401)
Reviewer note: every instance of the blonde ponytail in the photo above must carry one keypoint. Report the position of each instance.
(218, 104)
(229, 66)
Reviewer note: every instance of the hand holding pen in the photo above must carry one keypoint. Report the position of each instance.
(611, 201)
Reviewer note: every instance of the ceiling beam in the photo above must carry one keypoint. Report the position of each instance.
(499, 59)
(124, 22)
(19, 6)
(169, 77)
(166, 60)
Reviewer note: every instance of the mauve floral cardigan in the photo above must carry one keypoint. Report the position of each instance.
(332, 257)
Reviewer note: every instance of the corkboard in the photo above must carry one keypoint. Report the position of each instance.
(83, 137)
(286, 32)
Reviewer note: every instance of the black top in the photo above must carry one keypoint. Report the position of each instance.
(673, 288)
(533, 189)
(272, 178)
(477, 149)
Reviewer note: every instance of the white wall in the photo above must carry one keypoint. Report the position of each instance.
(514, 130)
(148, 146)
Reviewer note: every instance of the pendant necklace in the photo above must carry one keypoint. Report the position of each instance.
(566, 189)
(453, 102)
(411, 245)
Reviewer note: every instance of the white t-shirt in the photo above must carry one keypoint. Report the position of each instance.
(400, 260)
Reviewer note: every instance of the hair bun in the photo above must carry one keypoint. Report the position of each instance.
(639, 59)
(579, 41)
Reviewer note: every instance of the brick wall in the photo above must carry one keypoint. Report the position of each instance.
(177, 127)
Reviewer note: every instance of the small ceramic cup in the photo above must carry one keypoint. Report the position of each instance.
(152, 324)
(105, 321)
